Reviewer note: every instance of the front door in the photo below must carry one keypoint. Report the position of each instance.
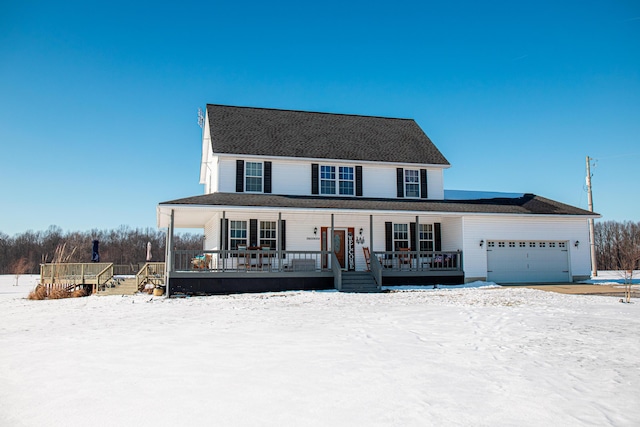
(339, 245)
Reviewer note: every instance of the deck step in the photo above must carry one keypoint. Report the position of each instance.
(120, 287)
(358, 281)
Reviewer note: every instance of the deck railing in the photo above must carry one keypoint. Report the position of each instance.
(150, 273)
(419, 261)
(71, 272)
(265, 260)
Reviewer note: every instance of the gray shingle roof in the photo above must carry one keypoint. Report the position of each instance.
(527, 204)
(270, 132)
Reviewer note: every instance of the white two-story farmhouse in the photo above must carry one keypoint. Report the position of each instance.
(304, 200)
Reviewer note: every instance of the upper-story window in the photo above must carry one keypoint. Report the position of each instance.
(253, 177)
(411, 183)
(341, 182)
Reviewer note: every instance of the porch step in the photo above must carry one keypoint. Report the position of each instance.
(120, 287)
(358, 281)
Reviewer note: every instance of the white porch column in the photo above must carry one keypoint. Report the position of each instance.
(370, 233)
(169, 255)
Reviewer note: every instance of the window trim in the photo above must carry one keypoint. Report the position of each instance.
(337, 171)
(247, 176)
(416, 183)
(425, 240)
(271, 241)
(397, 240)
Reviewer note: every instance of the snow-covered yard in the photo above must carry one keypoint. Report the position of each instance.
(472, 356)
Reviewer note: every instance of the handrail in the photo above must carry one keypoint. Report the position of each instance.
(337, 271)
(149, 272)
(103, 277)
(376, 270)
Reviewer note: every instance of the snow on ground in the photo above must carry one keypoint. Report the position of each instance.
(472, 356)
(614, 278)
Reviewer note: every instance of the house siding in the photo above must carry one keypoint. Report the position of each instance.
(498, 227)
(293, 177)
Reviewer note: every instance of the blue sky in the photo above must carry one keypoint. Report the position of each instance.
(99, 100)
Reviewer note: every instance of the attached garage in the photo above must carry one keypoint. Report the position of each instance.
(527, 261)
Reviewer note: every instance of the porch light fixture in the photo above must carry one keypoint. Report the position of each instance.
(481, 243)
(577, 243)
(315, 230)
(361, 230)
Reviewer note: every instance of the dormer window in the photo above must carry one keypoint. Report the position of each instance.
(253, 177)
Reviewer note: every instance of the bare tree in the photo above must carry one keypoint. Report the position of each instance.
(20, 267)
(627, 252)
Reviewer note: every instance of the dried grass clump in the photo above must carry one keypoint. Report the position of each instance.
(79, 292)
(59, 293)
(40, 292)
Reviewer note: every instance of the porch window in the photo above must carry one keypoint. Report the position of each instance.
(400, 236)
(268, 234)
(426, 237)
(237, 234)
(411, 183)
(343, 181)
(253, 177)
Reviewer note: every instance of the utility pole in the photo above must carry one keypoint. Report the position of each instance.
(592, 242)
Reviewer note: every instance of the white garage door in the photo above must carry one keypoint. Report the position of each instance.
(527, 261)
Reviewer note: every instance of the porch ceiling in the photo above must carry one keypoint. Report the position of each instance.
(184, 216)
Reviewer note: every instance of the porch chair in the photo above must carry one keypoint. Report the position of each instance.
(367, 257)
(265, 257)
(404, 258)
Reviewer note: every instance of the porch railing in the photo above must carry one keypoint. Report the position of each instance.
(265, 260)
(418, 261)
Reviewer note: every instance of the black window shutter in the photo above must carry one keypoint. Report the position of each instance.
(283, 235)
(388, 236)
(400, 181)
(358, 181)
(253, 232)
(239, 176)
(267, 177)
(423, 184)
(224, 233)
(412, 236)
(437, 236)
(314, 179)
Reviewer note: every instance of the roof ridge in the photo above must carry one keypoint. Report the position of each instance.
(310, 112)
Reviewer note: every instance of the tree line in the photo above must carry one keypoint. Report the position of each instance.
(617, 245)
(124, 245)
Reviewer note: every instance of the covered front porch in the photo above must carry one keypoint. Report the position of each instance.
(272, 249)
